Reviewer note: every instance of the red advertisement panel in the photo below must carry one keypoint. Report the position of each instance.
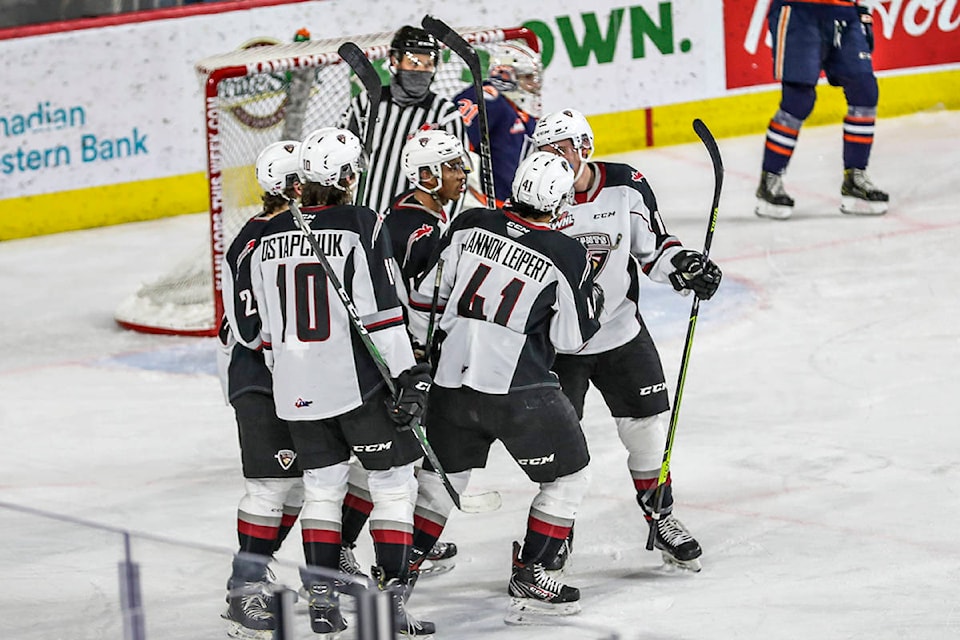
(909, 33)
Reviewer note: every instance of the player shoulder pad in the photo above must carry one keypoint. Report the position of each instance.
(619, 174)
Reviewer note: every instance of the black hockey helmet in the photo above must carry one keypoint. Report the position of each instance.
(414, 40)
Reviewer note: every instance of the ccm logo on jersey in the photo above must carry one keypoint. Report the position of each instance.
(533, 462)
(652, 389)
(372, 448)
(604, 214)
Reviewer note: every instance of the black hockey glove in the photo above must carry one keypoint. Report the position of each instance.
(866, 23)
(412, 387)
(694, 274)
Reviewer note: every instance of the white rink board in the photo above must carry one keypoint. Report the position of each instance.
(125, 104)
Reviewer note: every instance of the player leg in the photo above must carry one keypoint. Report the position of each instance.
(850, 66)
(388, 454)
(796, 61)
(574, 373)
(461, 443)
(272, 480)
(540, 430)
(324, 455)
(632, 383)
(357, 506)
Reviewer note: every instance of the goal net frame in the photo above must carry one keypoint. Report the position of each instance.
(187, 300)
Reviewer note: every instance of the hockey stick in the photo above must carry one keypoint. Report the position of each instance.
(433, 305)
(358, 61)
(711, 144)
(475, 503)
(468, 54)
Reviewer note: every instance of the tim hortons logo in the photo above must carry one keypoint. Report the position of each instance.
(258, 100)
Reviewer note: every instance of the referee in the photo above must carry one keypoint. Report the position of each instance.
(407, 104)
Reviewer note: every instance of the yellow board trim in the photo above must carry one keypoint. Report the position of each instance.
(738, 115)
(750, 113)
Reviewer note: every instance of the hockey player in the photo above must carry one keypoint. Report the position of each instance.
(436, 166)
(512, 96)
(274, 491)
(512, 291)
(405, 106)
(325, 382)
(835, 36)
(615, 216)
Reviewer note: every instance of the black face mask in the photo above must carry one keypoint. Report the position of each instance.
(410, 87)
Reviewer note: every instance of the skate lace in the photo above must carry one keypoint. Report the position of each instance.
(861, 180)
(774, 184)
(673, 531)
(348, 562)
(255, 606)
(544, 580)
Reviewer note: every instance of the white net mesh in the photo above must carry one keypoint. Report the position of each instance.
(259, 95)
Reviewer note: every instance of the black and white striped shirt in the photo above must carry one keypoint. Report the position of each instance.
(385, 178)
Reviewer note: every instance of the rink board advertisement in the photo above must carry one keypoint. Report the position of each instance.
(107, 125)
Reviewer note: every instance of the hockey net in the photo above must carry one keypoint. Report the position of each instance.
(255, 96)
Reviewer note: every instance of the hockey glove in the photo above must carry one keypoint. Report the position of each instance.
(412, 387)
(866, 23)
(694, 274)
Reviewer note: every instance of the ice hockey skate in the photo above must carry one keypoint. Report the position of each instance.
(772, 199)
(326, 619)
(406, 624)
(436, 562)
(859, 196)
(248, 614)
(534, 594)
(677, 546)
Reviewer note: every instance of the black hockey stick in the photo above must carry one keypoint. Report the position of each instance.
(358, 61)
(468, 54)
(433, 305)
(474, 503)
(711, 144)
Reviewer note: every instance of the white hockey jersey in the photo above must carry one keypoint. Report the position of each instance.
(618, 223)
(512, 293)
(321, 369)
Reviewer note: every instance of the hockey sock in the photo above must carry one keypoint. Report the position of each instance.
(356, 510)
(646, 490)
(858, 128)
(782, 135)
(289, 518)
(392, 549)
(256, 538)
(542, 540)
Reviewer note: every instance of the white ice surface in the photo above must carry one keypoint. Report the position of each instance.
(817, 458)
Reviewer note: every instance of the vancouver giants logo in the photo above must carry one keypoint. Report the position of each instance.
(598, 248)
(250, 246)
(285, 458)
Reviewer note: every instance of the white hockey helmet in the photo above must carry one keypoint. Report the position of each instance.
(431, 148)
(568, 124)
(330, 154)
(277, 166)
(516, 70)
(544, 181)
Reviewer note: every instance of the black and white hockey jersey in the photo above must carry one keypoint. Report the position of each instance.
(415, 234)
(513, 292)
(240, 361)
(617, 222)
(321, 368)
(394, 125)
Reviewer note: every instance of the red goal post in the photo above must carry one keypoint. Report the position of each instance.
(254, 96)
